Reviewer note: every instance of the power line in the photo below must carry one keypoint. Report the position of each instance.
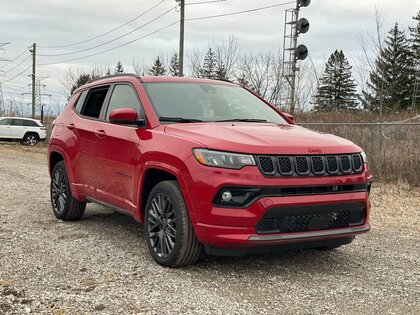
(15, 58)
(17, 65)
(239, 12)
(106, 33)
(113, 48)
(204, 2)
(8, 80)
(110, 41)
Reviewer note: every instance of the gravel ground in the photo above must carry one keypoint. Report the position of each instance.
(100, 265)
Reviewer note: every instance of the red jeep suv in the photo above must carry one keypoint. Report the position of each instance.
(205, 164)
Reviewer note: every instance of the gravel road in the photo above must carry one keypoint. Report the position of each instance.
(100, 265)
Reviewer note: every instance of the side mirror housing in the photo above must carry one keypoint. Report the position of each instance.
(290, 117)
(126, 116)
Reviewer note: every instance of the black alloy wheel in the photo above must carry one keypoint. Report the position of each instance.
(168, 230)
(65, 206)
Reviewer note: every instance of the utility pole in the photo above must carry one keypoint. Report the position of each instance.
(33, 51)
(181, 37)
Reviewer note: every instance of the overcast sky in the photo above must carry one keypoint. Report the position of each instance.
(333, 25)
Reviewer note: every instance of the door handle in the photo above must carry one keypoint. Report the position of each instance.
(100, 133)
(71, 126)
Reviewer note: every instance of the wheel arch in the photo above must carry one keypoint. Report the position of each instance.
(154, 174)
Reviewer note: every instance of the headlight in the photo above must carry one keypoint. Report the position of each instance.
(364, 157)
(223, 159)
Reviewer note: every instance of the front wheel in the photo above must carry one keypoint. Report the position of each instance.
(64, 205)
(168, 230)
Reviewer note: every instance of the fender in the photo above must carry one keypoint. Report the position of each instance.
(138, 214)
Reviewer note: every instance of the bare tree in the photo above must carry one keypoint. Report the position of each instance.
(262, 72)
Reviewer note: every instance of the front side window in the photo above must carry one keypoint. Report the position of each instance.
(208, 102)
(94, 102)
(5, 122)
(123, 96)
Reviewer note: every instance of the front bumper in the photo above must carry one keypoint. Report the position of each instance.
(235, 227)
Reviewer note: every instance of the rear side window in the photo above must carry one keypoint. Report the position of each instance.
(80, 101)
(94, 102)
(18, 122)
(123, 96)
(31, 123)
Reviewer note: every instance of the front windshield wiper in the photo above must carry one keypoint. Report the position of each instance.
(179, 119)
(243, 119)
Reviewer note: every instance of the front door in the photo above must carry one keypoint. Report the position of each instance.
(117, 152)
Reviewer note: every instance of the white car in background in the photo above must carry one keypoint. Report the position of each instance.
(28, 131)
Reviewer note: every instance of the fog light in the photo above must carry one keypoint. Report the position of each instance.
(226, 196)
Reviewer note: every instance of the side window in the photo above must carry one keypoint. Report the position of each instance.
(95, 100)
(80, 102)
(5, 122)
(18, 122)
(123, 96)
(31, 123)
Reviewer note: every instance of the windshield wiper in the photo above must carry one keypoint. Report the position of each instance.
(243, 119)
(179, 119)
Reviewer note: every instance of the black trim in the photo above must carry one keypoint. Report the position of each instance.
(247, 195)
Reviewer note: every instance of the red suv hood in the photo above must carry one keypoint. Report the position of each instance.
(262, 138)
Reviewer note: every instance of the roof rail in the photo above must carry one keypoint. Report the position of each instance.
(115, 76)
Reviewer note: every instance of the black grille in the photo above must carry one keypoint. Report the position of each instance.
(357, 162)
(332, 164)
(266, 164)
(285, 165)
(302, 166)
(317, 165)
(311, 218)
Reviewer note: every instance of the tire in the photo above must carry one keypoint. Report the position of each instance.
(65, 207)
(30, 139)
(168, 230)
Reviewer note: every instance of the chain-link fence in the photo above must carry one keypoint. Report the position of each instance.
(393, 149)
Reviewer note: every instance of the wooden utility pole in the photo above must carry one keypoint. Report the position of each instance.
(181, 37)
(33, 51)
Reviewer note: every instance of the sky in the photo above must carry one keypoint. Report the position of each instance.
(88, 27)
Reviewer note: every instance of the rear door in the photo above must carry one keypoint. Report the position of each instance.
(117, 151)
(17, 128)
(82, 140)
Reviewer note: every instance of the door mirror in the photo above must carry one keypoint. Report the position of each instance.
(126, 116)
(290, 117)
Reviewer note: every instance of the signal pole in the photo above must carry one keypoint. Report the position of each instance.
(181, 37)
(291, 51)
(33, 51)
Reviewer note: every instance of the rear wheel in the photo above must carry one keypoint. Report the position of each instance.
(65, 207)
(168, 230)
(30, 139)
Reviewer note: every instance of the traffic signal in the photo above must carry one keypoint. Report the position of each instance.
(302, 26)
(304, 3)
(301, 52)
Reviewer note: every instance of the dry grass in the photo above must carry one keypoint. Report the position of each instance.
(395, 206)
(38, 152)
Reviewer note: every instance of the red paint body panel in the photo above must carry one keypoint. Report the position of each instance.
(108, 162)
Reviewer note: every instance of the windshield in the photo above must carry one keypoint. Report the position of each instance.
(194, 102)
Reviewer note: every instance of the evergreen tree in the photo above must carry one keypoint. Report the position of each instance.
(157, 68)
(209, 66)
(243, 81)
(221, 71)
(337, 89)
(81, 80)
(108, 72)
(390, 84)
(415, 53)
(118, 68)
(415, 37)
(174, 65)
